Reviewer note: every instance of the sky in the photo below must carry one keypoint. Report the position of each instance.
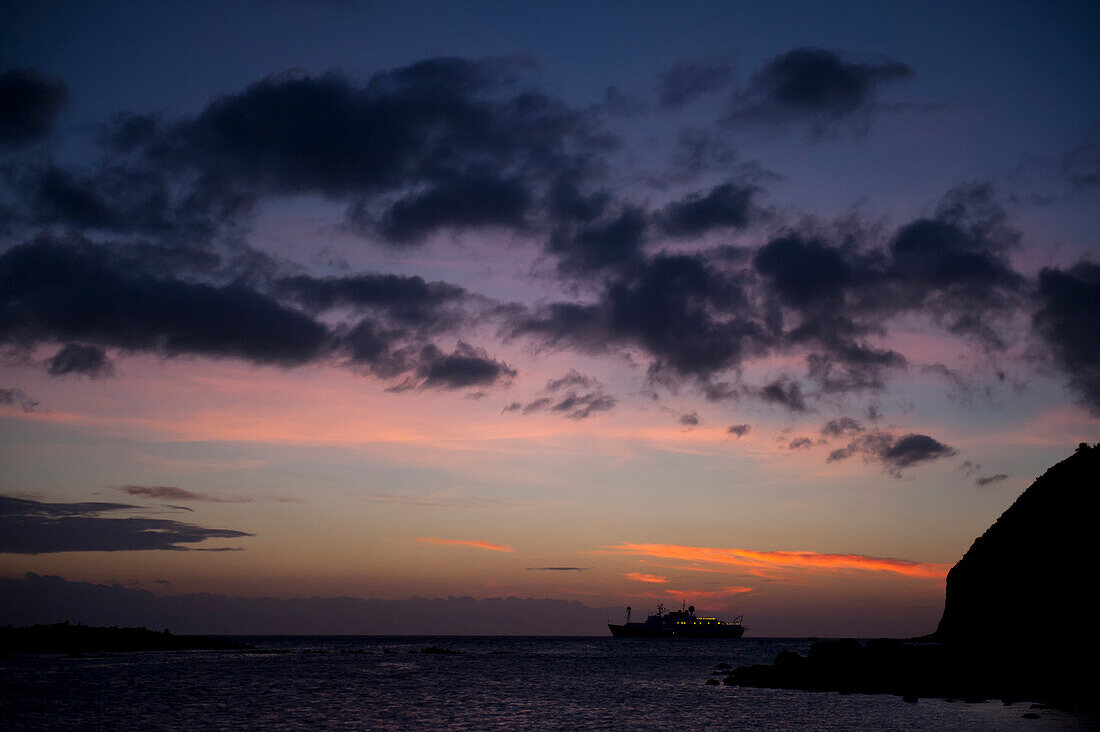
(772, 308)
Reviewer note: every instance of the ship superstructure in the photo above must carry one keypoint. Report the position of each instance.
(683, 623)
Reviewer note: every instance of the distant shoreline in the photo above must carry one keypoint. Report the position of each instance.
(75, 639)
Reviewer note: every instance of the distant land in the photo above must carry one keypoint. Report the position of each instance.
(50, 599)
(76, 639)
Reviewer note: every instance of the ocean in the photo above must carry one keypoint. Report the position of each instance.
(380, 682)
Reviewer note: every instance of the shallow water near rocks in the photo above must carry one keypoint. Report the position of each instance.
(379, 682)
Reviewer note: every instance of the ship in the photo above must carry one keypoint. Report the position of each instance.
(683, 623)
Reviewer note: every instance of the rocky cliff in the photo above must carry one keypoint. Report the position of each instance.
(1030, 578)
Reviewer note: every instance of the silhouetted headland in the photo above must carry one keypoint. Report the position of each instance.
(1018, 620)
(66, 638)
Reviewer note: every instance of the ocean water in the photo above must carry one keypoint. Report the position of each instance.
(378, 682)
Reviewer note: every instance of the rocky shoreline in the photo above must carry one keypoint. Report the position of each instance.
(77, 639)
(913, 670)
(1018, 620)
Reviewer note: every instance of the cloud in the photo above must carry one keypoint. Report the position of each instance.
(34, 527)
(648, 578)
(457, 202)
(603, 245)
(465, 366)
(841, 426)
(558, 569)
(60, 290)
(799, 443)
(784, 392)
(463, 542)
(739, 430)
(727, 205)
(690, 419)
(575, 395)
(798, 560)
(120, 296)
(441, 143)
(80, 358)
(911, 449)
(895, 453)
(827, 90)
(408, 300)
(990, 480)
(452, 143)
(18, 396)
(172, 493)
(572, 378)
(1067, 321)
(686, 81)
(30, 103)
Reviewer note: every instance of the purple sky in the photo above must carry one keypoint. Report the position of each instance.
(771, 308)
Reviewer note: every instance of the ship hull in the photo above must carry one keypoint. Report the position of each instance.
(644, 630)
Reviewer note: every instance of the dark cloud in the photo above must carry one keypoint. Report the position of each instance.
(30, 103)
(408, 300)
(895, 453)
(912, 449)
(1068, 321)
(581, 406)
(442, 143)
(171, 493)
(685, 82)
(691, 318)
(116, 295)
(558, 569)
(80, 358)
(687, 315)
(784, 392)
(575, 395)
(572, 379)
(18, 396)
(603, 245)
(690, 419)
(739, 430)
(458, 202)
(841, 426)
(799, 443)
(727, 205)
(34, 527)
(61, 290)
(569, 203)
(990, 480)
(115, 198)
(825, 89)
(465, 366)
(807, 273)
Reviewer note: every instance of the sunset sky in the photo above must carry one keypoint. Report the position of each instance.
(774, 307)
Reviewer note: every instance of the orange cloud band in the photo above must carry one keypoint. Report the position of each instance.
(749, 559)
(653, 578)
(464, 542)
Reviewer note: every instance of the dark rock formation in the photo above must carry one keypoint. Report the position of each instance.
(1017, 620)
(78, 639)
(1029, 578)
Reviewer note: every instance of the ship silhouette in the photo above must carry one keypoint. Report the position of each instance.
(683, 623)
